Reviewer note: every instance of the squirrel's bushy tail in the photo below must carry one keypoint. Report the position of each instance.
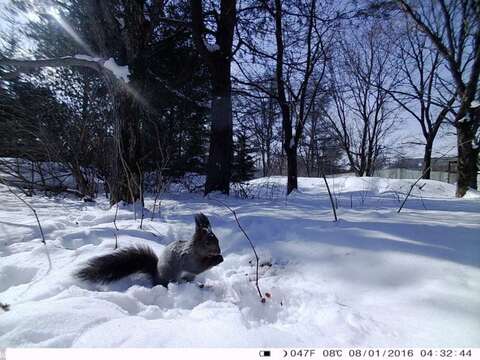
(121, 263)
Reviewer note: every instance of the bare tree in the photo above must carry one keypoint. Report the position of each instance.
(453, 28)
(319, 150)
(361, 116)
(418, 90)
(302, 35)
(218, 56)
(259, 114)
(309, 81)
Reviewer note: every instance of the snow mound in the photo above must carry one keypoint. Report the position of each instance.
(369, 185)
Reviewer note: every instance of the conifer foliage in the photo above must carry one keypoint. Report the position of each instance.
(243, 158)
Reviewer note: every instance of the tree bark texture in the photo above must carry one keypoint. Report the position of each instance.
(218, 58)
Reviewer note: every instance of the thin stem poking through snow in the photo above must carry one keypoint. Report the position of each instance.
(330, 196)
(44, 242)
(116, 227)
(423, 174)
(257, 259)
(411, 188)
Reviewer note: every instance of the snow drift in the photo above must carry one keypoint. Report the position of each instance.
(374, 278)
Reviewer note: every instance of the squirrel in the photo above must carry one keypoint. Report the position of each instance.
(180, 261)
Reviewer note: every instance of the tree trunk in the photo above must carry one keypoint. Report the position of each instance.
(126, 173)
(292, 182)
(130, 108)
(360, 169)
(218, 61)
(427, 159)
(220, 155)
(264, 163)
(467, 167)
(289, 144)
(83, 186)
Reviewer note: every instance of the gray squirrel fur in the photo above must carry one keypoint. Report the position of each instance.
(180, 261)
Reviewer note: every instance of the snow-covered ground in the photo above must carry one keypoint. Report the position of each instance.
(374, 278)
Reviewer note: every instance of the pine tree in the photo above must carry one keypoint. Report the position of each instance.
(243, 168)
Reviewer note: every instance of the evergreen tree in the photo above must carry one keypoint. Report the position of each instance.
(172, 119)
(243, 167)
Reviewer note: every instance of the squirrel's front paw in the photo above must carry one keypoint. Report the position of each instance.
(217, 259)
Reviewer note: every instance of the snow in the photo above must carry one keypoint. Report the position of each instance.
(87, 57)
(475, 104)
(120, 72)
(211, 47)
(51, 173)
(374, 278)
(121, 22)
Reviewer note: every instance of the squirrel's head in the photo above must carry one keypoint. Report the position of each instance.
(205, 241)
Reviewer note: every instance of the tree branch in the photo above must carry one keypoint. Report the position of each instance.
(251, 245)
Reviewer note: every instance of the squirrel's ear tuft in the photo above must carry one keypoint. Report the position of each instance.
(201, 221)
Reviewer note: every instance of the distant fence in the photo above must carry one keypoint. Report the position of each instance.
(400, 173)
(397, 173)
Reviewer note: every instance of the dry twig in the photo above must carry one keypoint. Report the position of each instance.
(116, 227)
(44, 242)
(251, 245)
